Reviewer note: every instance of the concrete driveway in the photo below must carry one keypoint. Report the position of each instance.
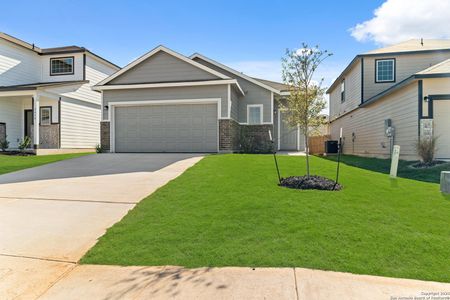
(52, 214)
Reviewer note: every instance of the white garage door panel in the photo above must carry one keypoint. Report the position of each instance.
(166, 128)
(441, 112)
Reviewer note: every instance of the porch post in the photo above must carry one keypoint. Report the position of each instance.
(36, 120)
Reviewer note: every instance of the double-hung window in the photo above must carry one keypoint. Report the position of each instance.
(343, 90)
(384, 70)
(254, 114)
(61, 65)
(46, 115)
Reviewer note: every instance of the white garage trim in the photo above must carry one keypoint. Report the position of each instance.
(279, 130)
(112, 106)
(271, 107)
(167, 84)
(229, 101)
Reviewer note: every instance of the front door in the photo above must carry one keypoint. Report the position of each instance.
(28, 123)
(441, 112)
(288, 135)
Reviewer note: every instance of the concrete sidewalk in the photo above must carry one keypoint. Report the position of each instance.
(113, 282)
(51, 215)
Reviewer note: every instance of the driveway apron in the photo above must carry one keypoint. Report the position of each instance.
(51, 215)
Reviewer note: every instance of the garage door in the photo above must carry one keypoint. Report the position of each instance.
(166, 128)
(441, 115)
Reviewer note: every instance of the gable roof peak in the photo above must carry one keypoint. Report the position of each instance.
(169, 51)
(235, 72)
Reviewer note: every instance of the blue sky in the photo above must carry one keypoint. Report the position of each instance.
(248, 35)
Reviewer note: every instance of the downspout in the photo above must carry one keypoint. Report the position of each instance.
(420, 108)
(59, 121)
(362, 80)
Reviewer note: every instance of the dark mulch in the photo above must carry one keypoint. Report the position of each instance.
(424, 165)
(17, 153)
(312, 182)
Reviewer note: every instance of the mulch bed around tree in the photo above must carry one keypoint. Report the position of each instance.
(314, 182)
(424, 165)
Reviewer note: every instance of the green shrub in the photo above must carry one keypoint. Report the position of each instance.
(99, 148)
(25, 143)
(251, 143)
(4, 145)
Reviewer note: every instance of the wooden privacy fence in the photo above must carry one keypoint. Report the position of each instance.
(317, 144)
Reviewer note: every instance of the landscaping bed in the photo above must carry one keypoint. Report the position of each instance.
(228, 210)
(424, 165)
(312, 182)
(405, 168)
(17, 153)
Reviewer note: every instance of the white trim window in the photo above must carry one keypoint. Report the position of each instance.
(46, 115)
(343, 91)
(255, 114)
(61, 65)
(385, 70)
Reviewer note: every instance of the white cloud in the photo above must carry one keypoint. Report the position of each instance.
(399, 20)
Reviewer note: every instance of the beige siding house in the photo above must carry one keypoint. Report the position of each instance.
(394, 95)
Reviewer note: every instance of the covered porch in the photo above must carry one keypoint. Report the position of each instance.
(32, 113)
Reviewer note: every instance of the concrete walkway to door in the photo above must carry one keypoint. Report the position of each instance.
(52, 214)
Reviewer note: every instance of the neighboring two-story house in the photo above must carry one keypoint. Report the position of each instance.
(46, 94)
(394, 95)
(167, 102)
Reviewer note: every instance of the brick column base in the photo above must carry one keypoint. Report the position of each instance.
(228, 135)
(105, 135)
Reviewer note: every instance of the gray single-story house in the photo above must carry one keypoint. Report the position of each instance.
(168, 102)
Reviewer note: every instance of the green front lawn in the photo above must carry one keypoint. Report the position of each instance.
(228, 211)
(10, 163)
(404, 167)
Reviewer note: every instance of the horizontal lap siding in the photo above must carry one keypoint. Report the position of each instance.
(18, 65)
(77, 68)
(80, 125)
(173, 93)
(234, 104)
(11, 113)
(352, 93)
(405, 65)
(162, 67)
(254, 94)
(368, 125)
(95, 72)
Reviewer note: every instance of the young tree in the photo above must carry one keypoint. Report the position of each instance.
(306, 99)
